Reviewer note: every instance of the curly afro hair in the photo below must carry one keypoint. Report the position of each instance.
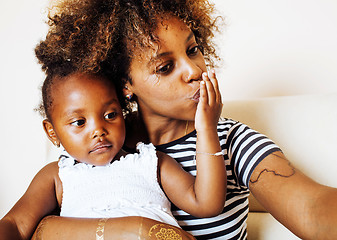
(102, 35)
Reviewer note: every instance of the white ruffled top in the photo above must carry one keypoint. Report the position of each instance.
(126, 187)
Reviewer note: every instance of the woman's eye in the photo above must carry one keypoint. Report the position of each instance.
(194, 50)
(111, 115)
(164, 69)
(78, 123)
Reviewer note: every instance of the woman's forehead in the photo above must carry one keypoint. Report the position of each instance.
(168, 32)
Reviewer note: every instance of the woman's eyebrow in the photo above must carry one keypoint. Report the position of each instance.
(189, 37)
(155, 57)
(163, 54)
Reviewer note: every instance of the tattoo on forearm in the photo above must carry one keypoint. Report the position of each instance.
(292, 171)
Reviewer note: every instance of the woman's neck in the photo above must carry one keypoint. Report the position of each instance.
(163, 130)
(157, 130)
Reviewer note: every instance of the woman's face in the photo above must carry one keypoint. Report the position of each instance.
(166, 81)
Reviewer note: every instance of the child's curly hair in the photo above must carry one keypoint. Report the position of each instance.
(57, 72)
(102, 35)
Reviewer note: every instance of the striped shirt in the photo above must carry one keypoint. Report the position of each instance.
(243, 150)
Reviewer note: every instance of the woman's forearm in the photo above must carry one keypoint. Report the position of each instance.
(128, 228)
(55, 227)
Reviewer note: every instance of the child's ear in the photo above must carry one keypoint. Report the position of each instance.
(49, 129)
(127, 92)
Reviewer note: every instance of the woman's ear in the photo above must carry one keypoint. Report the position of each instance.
(49, 129)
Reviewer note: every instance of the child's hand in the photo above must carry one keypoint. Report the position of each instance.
(210, 105)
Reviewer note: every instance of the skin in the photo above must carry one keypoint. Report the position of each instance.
(305, 207)
(87, 120)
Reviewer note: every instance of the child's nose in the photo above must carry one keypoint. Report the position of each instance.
(98, 133)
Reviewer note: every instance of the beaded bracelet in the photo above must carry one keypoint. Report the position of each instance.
(100, 229)
(211, 154)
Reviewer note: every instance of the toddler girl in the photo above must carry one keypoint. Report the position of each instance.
(96, 178)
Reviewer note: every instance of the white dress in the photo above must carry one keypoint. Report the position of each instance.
(128, 187)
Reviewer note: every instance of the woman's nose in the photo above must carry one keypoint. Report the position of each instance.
(192, 72)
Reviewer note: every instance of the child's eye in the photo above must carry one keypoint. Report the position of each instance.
(78, 123)
(164, 69)
(110, 116)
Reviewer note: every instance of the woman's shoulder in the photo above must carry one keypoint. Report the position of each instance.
(228, 122)
(228, 125)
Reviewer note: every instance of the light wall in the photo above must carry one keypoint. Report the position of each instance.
(269, 48)
(23, 150)
(278, 48)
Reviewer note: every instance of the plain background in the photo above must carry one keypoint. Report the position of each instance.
(269, 48)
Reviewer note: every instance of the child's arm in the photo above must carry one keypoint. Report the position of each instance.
(204, 195)
(38, 201)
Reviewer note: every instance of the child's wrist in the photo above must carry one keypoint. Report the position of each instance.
(207, 130)
(220, 153)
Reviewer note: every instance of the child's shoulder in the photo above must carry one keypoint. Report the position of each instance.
(51, 166)
(50, 170)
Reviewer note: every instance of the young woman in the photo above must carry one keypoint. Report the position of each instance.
(155, 51)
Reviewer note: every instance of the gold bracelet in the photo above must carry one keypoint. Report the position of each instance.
(100, 228)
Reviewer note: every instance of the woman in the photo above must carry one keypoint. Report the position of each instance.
(155, 51)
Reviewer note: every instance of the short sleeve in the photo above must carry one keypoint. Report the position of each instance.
(246, 149)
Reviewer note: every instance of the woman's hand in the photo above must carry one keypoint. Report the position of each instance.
(210, 104)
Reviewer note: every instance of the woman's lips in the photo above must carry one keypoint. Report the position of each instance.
(196, 96)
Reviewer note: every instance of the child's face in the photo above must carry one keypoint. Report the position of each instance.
(87, 119)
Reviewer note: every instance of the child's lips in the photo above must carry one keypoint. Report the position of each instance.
(101, 148)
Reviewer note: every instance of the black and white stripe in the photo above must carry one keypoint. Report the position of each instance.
(244, 148)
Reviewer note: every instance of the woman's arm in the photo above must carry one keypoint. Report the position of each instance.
(126, 228)
(305, 207)
(203, 196)
(38, 201)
